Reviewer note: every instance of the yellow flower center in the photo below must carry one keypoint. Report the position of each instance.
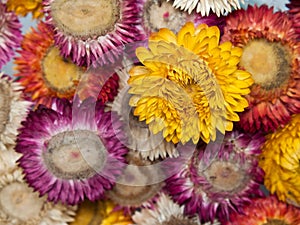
(76, 154)
(86, 18)
(19, 201)
(268, 62)
(159, 15)
(275, 222)
(225, 176)
(4, 106)
(59, 74)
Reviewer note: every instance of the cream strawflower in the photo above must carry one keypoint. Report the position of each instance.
(19, 205)
(166, 212)
(13, 110)
(204, 7)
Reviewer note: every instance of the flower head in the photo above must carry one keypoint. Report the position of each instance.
(166, 212)
(137, 186)
(224, 184)
(140, 138)
(278, 5)
(280, 161)
(84, 37)
(100, 83)
(8, 161)
(13, 110)
(219, 7)
(294, 13)
(271, 38)
(267, 211)
(189, 86)
(157, 15)
(10, 34)
(101, 211)
(23, 7)
(71, 151)
(41, 80)
(19, 205)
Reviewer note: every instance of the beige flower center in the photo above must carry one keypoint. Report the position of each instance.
(224, 176)
(86, 18)
(269, 63)
(60, 74)
(275, 222)
(140, 188)
(179, 221)
(76, 154)
(163, 15)
(4, 106)
(19, 201)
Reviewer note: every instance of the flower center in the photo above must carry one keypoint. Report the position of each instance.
(179, 221)
(269, 63)
(275, 222)
(224, 176)
(196, 96)
(134, 187)
(86, 18)
(19, 201)
(77, 154)
(60, 74)
(4, 107)
(162, 15)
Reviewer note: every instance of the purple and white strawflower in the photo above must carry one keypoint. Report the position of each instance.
(228, 181)
(71, 151)
(10, 34)
(94, 32)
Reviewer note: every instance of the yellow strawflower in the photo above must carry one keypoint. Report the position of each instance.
(23, 7)
(280, 161)
(189, 86)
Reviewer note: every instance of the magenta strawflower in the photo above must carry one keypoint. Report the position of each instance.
(10, 34)
(94, 32)
(71, 152)
(228, 181)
